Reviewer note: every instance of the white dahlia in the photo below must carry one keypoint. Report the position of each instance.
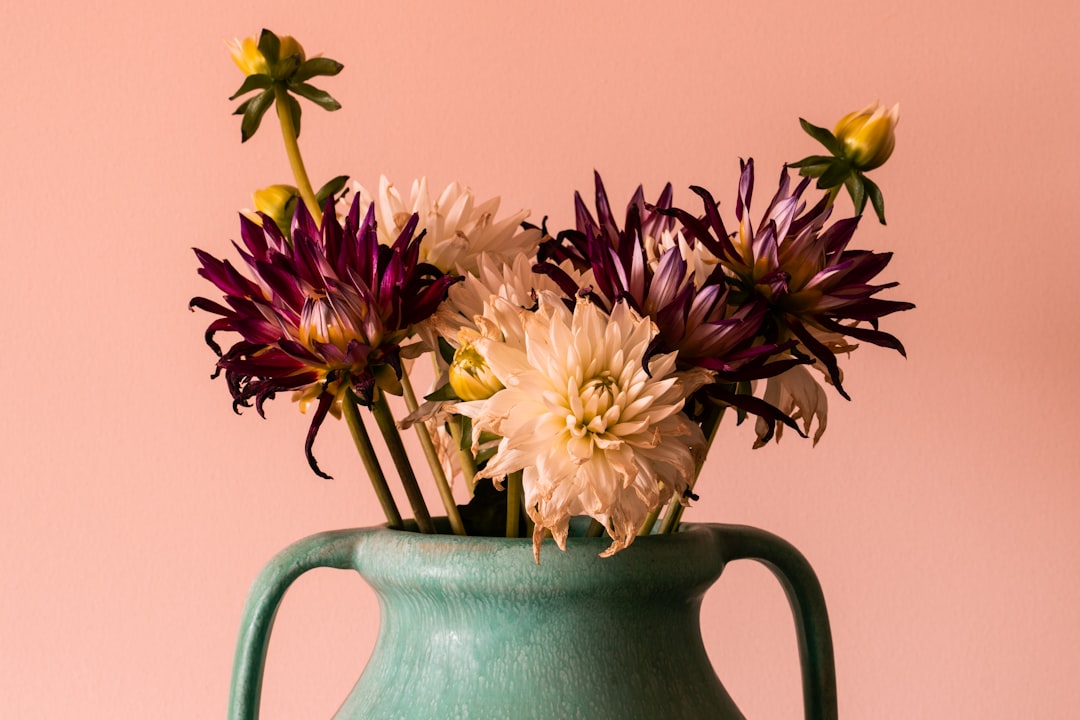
(594, 433)
(472, 303)
(459, 229)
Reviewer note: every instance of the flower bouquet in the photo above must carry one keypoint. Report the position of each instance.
(578, 377)
(579, 372)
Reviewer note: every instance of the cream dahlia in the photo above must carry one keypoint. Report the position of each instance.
(459, 228)
(593, 431)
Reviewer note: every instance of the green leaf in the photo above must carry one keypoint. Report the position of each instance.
(331, 188)
(315, 95)
(317, 66)
(485, 454)
(286, 67)
(857, 190)
(812, 160)
(242, 107)
(446, 350)
(254, 110)
(442, 394)
(466, 432)
(294, 110)
(837, 173)
(813, 171)
(876, 198)
(269, 46)
(823, 136)
(253, 82)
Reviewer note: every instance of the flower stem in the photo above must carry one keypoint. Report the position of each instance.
(371, 462)
(468, 462)
(432, 456)
(292, 149)
(514, 495)
(380, 408)
(709, 425)
(833, 192)
(595, 529)
(649, 525)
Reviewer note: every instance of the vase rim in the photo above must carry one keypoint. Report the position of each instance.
(389, 557)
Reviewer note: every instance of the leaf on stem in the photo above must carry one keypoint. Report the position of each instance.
(315, 67)
(315, 95)
(876, 198)
(253, 111)
(269, 46)
(835, 175)
(856, 188)
(294, 110)
(332, 187)
(252, 82)
(823, 136)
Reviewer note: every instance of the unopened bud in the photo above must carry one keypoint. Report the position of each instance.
(869, 135)
(248, 57)
(276, 202)
(470, 376)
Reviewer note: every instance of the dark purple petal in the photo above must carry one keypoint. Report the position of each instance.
(819, 351)
(253, 236)
(603, 209)
(561, 278)
(759, 372)
(877, 337)
(720, 246)
(326, 400)
(746, 187)
(754, 405)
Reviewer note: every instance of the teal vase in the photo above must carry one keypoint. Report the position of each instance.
(472, 628)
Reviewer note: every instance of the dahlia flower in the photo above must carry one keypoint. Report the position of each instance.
(326, 313)
(797, 394)
(459, 228)
(869, 135)
(596, 429)
(801, 270)
(656, 269)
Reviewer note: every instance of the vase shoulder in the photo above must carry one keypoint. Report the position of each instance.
(474, 628)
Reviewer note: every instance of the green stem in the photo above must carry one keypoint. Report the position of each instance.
(292, 149)
(595, 529)
(833, 192)
(649, 525)
(468, 462)
(514, 495)
(371, 462)
(709, 425)
(380, 408)
(432, 456)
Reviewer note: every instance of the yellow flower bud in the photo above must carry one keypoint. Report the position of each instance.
(470, 376)
(869, 135)
(289, 46)
(246, 55)
(274, 201)
(251, 61)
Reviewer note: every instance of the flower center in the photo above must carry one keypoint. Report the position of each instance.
(322, 324)
(591, 410)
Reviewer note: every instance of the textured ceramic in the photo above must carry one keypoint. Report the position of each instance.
(473, 628)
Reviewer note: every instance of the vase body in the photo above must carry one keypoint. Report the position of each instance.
(473, 628)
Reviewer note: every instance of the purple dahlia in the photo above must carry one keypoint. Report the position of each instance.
(812, 284)
(326, 313)
(665, 274)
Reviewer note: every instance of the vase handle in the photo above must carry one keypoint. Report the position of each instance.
(739, 542)
(335, 549)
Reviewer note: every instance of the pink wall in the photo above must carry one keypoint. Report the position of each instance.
(940, 510)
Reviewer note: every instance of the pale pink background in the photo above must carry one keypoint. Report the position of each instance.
(941, 509)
